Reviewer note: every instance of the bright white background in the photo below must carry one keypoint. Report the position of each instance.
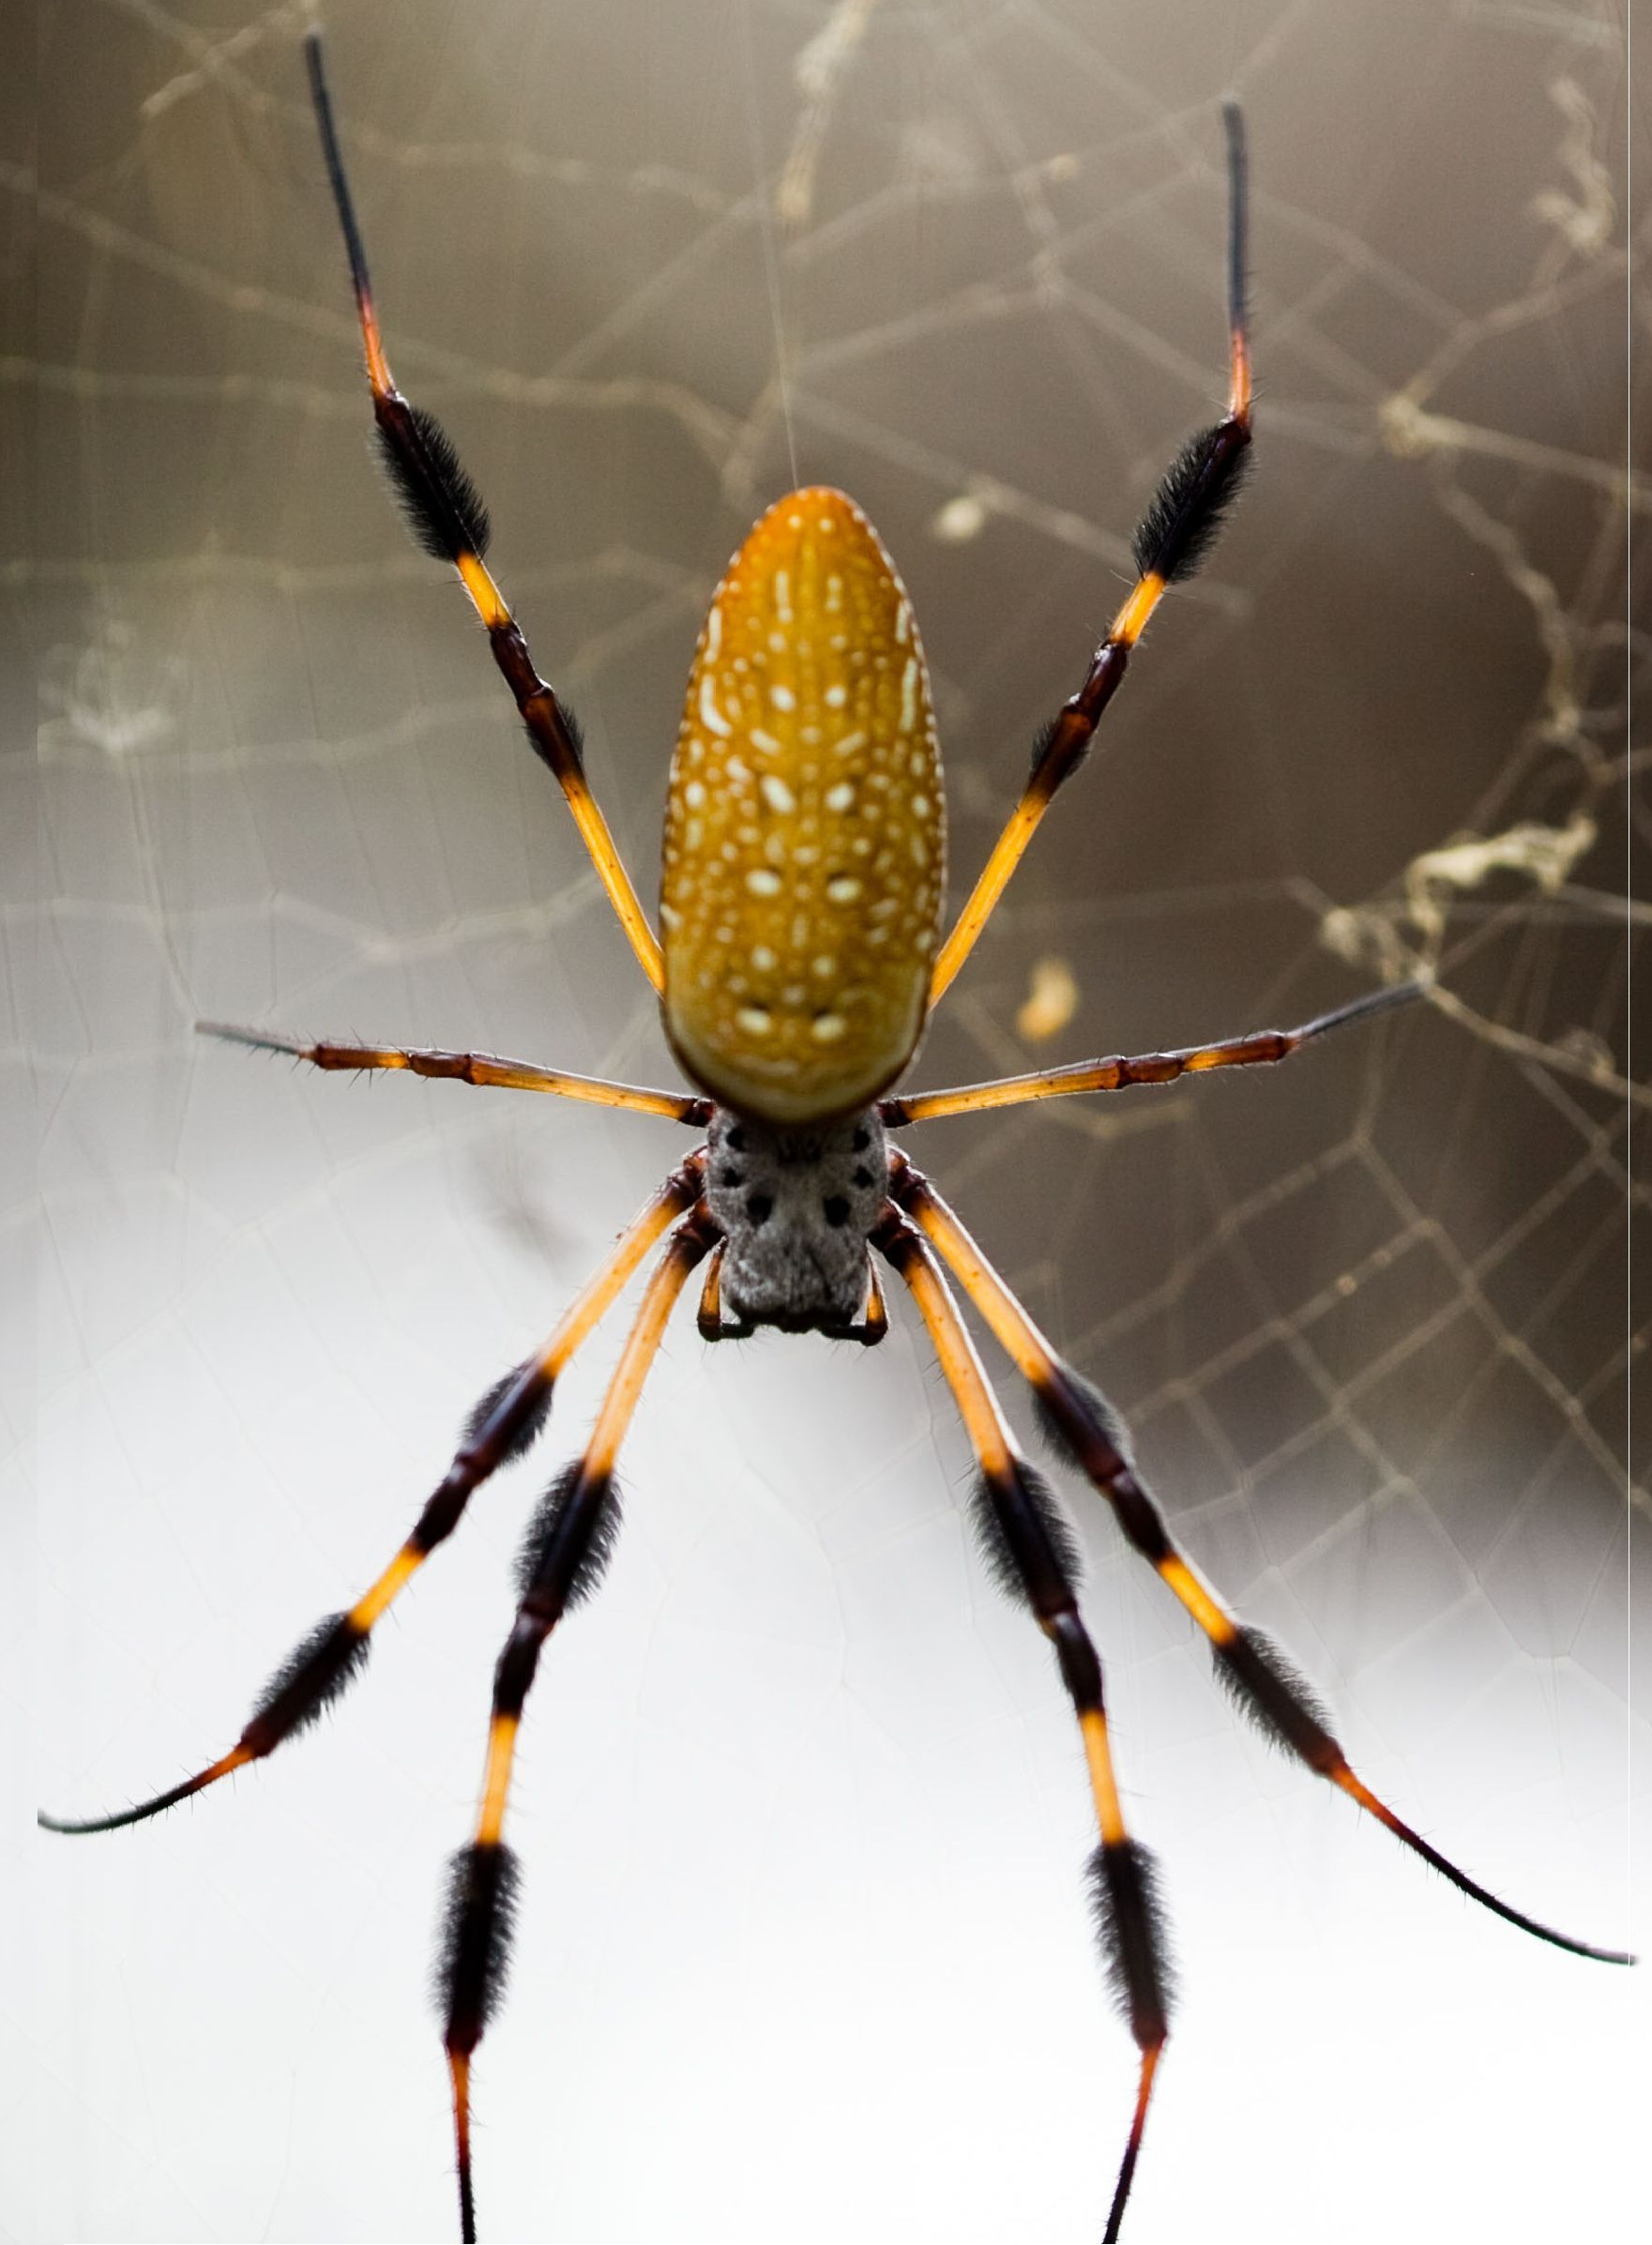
(803, 1950)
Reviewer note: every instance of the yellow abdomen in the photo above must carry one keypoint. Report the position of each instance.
(805, 831)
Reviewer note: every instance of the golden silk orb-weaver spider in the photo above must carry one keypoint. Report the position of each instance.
(800, 954)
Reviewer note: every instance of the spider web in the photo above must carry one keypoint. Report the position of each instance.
(800, 1807)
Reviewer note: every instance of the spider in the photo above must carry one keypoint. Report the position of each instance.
(799, 957)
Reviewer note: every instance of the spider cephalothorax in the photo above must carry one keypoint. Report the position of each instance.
(795, 1207)
(804, 867)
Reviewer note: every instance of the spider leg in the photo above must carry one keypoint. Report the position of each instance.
(875, 1324)
(1262, 1047)
(446, 516)
(1171, 541)
(502, 1427)
(472, 1068)
(1031, 1550)
(567, 1545)
(1260, 1679)
(709, 1317)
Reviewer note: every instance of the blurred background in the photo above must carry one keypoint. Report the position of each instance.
(801, 1809)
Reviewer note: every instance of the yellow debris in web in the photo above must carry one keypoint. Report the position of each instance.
(1545, 854)
(818, 69)
(1050, 1002)
(960, 519)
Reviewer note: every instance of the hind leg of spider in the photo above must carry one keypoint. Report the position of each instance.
(1032, 1552)
(1261, 1048)
(445, 514)
(1171, 541)
(1260, 1680)
(568, 1543)
(470, 1068)
(502, 1425)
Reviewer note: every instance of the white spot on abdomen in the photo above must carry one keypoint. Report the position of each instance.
(711, 717)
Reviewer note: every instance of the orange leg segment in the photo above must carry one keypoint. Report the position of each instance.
(1261, 1048)
(472, 1068)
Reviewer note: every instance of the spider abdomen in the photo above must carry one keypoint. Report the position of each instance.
(805, 832)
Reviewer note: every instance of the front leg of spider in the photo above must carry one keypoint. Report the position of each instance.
(447, 519)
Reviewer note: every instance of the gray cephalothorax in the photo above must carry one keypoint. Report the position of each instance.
(796, 1207)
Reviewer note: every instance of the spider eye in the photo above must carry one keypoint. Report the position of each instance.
(759, 1208)
(730, 1179)
(836, 1209)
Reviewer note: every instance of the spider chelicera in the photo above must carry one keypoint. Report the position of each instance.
(800, 955)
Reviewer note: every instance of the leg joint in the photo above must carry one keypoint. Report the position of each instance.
(1081, 1671)
(518, 1662)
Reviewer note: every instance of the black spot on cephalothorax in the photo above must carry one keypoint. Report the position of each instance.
(861, 1141)
(735, 1140)
(835, 1208)
(730, 1179)
(759, 1208)
(862, 1177)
